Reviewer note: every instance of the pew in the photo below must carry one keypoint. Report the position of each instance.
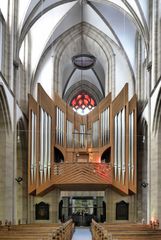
(37, 231)
(130, 231)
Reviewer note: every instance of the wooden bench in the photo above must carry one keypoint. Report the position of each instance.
(38, 231)
(131, 231)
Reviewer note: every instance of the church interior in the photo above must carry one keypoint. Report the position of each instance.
(80, 118)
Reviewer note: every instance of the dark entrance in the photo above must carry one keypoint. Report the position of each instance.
(83, 209)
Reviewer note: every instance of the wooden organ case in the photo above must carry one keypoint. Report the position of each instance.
(90, 152)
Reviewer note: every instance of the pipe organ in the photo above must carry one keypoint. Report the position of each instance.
(45, 145)
(95, 135)
(59, 126)
(69, 135)
(33, 147)
(105, 127)
(119, 146)
(98, 150)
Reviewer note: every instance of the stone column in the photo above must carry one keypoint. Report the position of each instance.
(154, 41)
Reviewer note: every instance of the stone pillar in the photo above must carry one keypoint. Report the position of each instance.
(138, 57)
(154, 40)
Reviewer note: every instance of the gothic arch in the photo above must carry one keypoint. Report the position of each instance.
(93, 34)
(21, 173)
(142, 167)
(157, 113)
(5, 127)
(4, 110)
(83, 85)
(60, 45)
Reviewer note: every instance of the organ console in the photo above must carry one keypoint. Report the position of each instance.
(108, 130)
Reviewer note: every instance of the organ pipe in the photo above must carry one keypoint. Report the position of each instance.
(116, 147)
(45, 144)
(123, 144)
(41, 143)
(49, 146)
(119, 145)
(32, 146)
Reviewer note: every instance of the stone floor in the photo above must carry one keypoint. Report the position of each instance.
(82, 233)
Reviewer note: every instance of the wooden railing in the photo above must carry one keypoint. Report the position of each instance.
(66, 173)
(74, 173)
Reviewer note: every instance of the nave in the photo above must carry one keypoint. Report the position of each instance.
(68, 231)
(82, 233)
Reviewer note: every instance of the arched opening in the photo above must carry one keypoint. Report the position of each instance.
(5, 126)
(106, 156)
(58, 156)
(21, 174)
(142, 168)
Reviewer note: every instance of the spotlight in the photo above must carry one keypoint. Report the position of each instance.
(19, 179)
(144, 184)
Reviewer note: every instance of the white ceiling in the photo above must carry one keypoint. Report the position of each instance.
(45, 21)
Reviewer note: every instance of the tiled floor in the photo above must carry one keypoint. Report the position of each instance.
(82, 233)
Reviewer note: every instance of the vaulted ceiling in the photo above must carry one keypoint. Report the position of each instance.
(57, 30)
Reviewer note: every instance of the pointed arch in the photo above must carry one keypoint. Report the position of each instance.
(21, 171)
(157, 113)
(4, 109)
(83, 85)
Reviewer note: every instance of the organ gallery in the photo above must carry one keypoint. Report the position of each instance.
(88, 152)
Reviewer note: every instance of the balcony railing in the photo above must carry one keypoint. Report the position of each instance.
(81, 173)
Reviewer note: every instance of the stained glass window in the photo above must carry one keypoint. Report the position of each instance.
(83, 103)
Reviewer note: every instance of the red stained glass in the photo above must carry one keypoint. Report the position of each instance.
(73, 102)
(78, 97)
(92, 102)
(83, 101)
(80, 102)
(86, 102)
(87, 97)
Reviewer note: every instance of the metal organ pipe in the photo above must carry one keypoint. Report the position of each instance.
(57, 125)
(102, 129)
(41, 143)
(62, 128)
(32, 146)
(123, 144)
(45, 144)
(119, 145)
(116, 146)
(132, 144)
(108, 124)
(49, 146)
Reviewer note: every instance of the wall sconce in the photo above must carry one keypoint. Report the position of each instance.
(19, 179)
(144, 184)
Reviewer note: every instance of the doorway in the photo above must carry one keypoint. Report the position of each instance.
(83, 209)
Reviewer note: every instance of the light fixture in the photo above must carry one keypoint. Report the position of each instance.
(144, 184)
(83, 61)
(19, 179)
